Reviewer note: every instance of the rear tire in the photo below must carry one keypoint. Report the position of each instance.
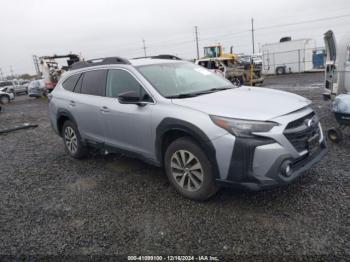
(280, 70)
(335, 135)
(72, 140)
(189, 170)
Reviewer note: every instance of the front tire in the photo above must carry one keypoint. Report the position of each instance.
(4, 100)
(335, 135)
(189, 170)
(72, 140)
(235, 81)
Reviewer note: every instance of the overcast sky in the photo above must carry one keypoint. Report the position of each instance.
(107, 28)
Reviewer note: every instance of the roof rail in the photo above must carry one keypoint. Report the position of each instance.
(165, 56)
(100, 61)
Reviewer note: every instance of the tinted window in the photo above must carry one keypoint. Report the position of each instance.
(120, 81)
(78, 85)
(94, 83)
(70, 82)
(5, 84)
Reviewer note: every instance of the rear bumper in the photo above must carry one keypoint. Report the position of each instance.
(35, 93)
(246, 172)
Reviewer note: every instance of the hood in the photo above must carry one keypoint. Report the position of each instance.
(251, 103)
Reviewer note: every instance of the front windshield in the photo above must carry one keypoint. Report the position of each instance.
(173, 79)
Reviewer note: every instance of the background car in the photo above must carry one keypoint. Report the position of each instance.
(5, 97)
(36, 88)
(14, 86)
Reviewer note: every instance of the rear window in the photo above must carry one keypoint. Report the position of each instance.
(94, 83)
(70, 82)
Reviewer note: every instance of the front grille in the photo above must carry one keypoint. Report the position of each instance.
(300, 121)
(298, 132)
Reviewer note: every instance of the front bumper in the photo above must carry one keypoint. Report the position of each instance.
(245, 171)
(260, 162)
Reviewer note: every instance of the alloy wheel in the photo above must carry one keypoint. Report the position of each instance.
(186, 170)
(71, 140)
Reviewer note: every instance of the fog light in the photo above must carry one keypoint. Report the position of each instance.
(286, 168)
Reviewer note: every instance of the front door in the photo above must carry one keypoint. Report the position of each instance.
(128, 126)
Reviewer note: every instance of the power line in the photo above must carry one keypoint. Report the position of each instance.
(303, 22)
(153, 45)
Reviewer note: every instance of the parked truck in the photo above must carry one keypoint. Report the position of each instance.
(288, 56)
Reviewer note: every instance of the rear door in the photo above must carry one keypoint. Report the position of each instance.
(87, 104)
(330, 68)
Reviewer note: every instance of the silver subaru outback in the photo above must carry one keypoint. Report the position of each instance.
(204, 131)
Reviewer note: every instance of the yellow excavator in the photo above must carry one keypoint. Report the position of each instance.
(217, 51)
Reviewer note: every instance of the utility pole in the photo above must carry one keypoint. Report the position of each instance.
(144, 47)
(12, 74)
(253, 36)
(2, 75)
(196, 31)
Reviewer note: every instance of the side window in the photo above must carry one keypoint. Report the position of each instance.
(120, 81)
(79, 84)
(70, 82)
(94, 83)
(145, 97)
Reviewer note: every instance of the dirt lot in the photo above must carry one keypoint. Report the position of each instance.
(51, 204)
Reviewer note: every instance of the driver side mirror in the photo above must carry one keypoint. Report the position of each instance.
(130, 97)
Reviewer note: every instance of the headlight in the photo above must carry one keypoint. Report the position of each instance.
(242, 128)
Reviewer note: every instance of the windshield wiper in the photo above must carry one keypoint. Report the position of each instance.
(184, 95)
(218, 89)
(193, 94)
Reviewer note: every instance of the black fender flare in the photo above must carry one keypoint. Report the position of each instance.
(67, 114)
(173, 124)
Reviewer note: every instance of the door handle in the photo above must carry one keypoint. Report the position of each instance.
(104, 109)
(72, 103)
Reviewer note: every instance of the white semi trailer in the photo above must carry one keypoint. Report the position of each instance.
(288, 56)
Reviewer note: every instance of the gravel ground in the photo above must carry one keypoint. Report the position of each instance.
(51, 204)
